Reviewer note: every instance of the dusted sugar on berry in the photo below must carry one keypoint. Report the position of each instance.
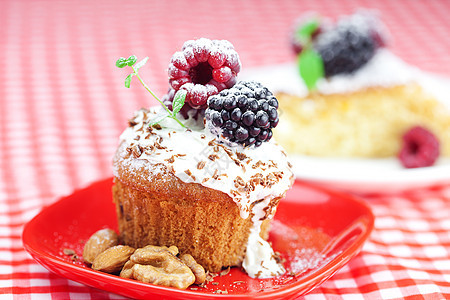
(244, 114)
(349, 45)
(420, 148)
(187, 111)
(203, 68)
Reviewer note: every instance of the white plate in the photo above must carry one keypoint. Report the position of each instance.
(351, 174)
(368, 175)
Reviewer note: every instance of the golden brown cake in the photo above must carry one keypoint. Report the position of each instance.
(364, 123)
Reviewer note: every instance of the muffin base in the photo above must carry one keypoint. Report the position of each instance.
(200, 221)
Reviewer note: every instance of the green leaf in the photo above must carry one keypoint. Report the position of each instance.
(304, 33)
(178, 101)
(157, 119)
(311, 67)
(131, 60)
(121, 62)
(128, 80)
(141, 63)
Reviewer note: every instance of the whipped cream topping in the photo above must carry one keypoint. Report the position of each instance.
(247, 175)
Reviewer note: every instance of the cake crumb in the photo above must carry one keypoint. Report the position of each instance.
(225, 272)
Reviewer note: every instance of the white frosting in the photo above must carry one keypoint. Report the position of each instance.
(247, 175)
(384, 69)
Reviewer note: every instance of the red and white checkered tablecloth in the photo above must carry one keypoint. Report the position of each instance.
(63, 106)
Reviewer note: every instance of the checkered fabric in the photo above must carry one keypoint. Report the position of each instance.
(63, 106)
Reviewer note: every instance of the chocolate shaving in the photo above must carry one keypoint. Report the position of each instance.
(158, 146)
(189, 173)
(132, 122)
(170, 160)
(241, 156)
(136, 150)
(213, 157)
(239, 182)
(201, 165)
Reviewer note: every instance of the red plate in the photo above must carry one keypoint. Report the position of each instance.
(316, 231)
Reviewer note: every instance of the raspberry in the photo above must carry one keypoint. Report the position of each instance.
(420, 148)
(244, 114)
(349, 45)
(203, 68)
(187, 111)
(305, 24)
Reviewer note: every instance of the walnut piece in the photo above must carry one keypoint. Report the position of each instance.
(159, 265)
(127, 270)
(99, 242)
(112, 259)
(198, 270)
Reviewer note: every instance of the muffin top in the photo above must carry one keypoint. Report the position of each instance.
(195, 155)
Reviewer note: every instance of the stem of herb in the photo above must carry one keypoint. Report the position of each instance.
(156, 97)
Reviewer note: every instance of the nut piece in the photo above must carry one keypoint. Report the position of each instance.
(127, 270)
(173, 250)
(149, 255)
(99, 242)
(198, 270)
(159, 266)
(113, 259)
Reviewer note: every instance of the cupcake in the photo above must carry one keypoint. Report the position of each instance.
(202, 172)
(348, 96)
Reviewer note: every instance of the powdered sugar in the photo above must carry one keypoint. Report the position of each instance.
(385, 69)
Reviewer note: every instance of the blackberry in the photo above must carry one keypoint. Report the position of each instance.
(203, 68)
(244, 114)
(349, 45)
